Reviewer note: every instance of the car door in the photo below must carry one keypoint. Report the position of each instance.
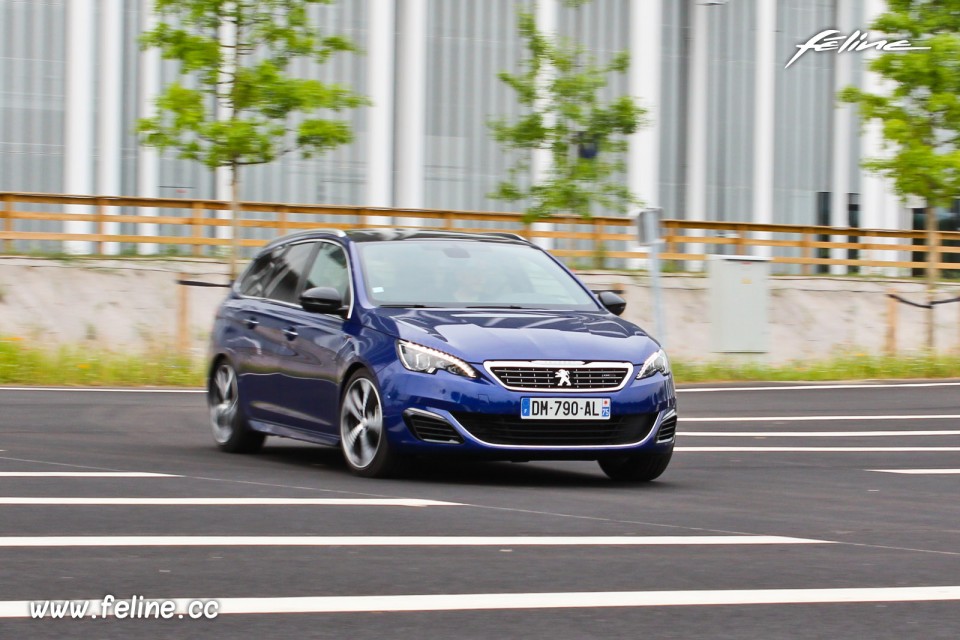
(271, 399)
(309, 370)
(242, 315)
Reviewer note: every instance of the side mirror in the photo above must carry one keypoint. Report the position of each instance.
(322, 300)
(614, 303)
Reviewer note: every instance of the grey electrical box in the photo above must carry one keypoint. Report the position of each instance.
(739, 302)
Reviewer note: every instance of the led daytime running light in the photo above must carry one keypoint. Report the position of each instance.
(461, 368)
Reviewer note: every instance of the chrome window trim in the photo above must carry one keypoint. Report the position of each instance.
(551, 364)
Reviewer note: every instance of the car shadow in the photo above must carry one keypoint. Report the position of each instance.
(459, 471)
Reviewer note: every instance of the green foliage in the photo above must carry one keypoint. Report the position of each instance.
(557, 88)
(235, 102)
(81, 365)
(921, 115)
(849, 366)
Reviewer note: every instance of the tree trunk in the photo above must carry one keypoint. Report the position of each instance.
(234, 218)
(933, 258)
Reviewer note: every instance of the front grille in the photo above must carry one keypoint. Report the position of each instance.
(668, 429)
(607, 376)
(430, 429)
(512, 430)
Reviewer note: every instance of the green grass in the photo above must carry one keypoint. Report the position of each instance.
(843, 367)
(25, 364)
(21, 363)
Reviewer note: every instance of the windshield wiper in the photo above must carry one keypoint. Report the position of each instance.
(497, 306)
(407, 306)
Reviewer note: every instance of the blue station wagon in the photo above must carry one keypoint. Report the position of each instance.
(399, 344)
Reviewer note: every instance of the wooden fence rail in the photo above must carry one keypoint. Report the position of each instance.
(196, 223)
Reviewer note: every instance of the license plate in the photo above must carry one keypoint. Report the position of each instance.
(565, 408)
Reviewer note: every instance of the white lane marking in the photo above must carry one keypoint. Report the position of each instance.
(820, 387)
(394, 541)
(561, 600)
(84, 474)
(947, 416)
(103, 390)
(812, 449)
(814, 434)
(358, 502)
(919, 472)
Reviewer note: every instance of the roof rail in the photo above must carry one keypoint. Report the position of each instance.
(507, 234)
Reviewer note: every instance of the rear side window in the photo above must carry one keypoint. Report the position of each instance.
(257, 276)
(286, 276)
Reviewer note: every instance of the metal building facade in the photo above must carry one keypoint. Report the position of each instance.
(430, 68)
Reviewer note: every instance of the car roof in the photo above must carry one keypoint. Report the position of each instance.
(381, 235)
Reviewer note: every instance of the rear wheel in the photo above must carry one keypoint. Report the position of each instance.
(636, 467)
(231, 431)
(363, 436)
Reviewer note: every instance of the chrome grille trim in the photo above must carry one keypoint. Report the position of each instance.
(539, 376)
(431, 427)
(667, 431)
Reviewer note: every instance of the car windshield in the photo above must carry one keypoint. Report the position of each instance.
(467, 274)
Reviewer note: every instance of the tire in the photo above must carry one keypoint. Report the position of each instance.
(636, 467)
(363, 437)
(231, 431)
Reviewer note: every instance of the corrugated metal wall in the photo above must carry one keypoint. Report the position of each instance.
(468, 43)
(32, 65)
(803, 114)
(336, 177)
(730, 123)
(32, 102)
(673, 109)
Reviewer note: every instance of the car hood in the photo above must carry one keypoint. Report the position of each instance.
(478, 335)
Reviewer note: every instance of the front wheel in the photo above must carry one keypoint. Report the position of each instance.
(231, 431)
(636, 467)
(363, 436)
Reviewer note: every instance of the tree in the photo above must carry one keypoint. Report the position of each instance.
(920, 116)
(557, 89)
(235, 102)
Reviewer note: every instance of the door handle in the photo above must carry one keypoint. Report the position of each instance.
(251, 322)
(291, 333)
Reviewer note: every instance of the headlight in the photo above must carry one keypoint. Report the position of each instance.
(657, 362)
(426, 360)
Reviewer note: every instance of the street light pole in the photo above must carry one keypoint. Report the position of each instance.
(650, 235)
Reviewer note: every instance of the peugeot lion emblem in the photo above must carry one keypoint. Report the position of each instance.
(564, 376)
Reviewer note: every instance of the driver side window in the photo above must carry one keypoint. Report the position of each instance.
(329, 269)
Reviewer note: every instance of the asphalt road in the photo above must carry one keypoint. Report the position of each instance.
(780, 517)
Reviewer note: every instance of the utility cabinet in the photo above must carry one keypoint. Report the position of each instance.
(739, 304)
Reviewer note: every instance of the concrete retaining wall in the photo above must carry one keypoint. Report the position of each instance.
(130, 304)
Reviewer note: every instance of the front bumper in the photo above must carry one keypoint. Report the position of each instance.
(483, 418)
